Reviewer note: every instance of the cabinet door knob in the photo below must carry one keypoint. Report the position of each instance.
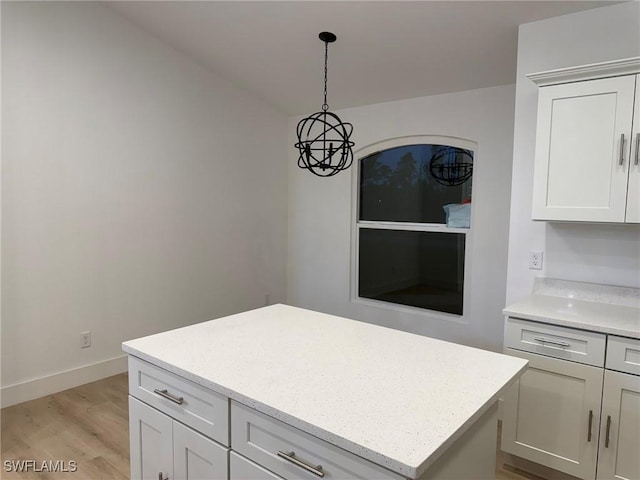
(590, 424)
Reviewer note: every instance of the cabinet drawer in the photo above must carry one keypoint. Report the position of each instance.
(554, 341)
(261, 438)
(242, 469)
(623, 354)
(204, 410)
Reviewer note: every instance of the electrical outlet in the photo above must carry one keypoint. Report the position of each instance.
(85, 339)
(535, 260)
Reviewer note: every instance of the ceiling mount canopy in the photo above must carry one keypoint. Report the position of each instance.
(323, 139)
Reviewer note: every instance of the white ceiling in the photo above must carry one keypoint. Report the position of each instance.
(386, 50)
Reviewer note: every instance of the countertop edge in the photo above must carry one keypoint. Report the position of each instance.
(515, 313)
(422, 468)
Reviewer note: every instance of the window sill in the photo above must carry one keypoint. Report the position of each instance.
(416, 227)
(405, 309)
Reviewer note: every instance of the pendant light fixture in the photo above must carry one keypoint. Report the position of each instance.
(323, 139)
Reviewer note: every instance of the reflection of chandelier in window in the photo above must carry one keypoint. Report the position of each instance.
(451, 165)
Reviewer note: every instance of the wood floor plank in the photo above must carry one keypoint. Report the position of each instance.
(88, 424)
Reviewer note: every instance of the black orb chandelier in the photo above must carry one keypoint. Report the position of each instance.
(323, 139)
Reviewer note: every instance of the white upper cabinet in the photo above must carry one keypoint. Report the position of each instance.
(633, 194)
(587, 146)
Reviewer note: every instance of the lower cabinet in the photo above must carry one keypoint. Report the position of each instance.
(619, 456)
(551, 415)
(163, 449)
(583, 420)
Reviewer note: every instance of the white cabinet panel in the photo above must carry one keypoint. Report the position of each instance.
(294, 454)
(555, 341)
(551, 415)
(619, 456)
(633, 192)
(583, 142)
(623, 354)
(200, 408)
(195, 457)
(164, 448)
(242, 469)
(151, 442)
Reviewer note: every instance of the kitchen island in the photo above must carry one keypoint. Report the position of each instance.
(283, 392)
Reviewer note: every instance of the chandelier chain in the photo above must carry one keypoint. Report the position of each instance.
(325, 106)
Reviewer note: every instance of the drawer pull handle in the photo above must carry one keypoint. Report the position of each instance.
(606, 438)
(590, 424)
(290, 457)
(637, 148)
(165, 394)
(552, 342)
(621, 149)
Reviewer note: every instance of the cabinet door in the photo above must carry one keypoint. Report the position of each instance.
(633, 193)
(151, 441)
(583, 142)
(195, 457)
(619, 455)
(551, 414)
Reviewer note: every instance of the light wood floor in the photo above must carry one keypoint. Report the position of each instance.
(88, 424)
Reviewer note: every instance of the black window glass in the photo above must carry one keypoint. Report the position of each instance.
(412, 183)
(419, 269)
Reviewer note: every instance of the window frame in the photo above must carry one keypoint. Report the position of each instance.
(357, 225)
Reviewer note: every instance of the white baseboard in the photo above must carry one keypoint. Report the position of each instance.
(40, 387)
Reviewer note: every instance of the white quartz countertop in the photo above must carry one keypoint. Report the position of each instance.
(397, 399)
(587, 315)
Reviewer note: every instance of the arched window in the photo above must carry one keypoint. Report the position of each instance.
(412, 219)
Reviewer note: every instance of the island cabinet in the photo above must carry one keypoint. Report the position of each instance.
(177, 429)
(218, 401)
(162, 448)
(587, 144)
(291, 453)
(567, 412)
(260, 446)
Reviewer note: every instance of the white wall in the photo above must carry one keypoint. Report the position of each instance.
(139, 192)
(607, 254)
(320, 213)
